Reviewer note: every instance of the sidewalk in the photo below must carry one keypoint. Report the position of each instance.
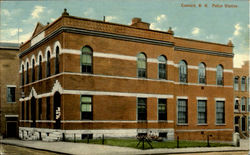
(82, 148)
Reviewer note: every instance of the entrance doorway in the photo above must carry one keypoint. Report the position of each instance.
(33, 112)
(11, 126)
(57, 110)
(12, 129)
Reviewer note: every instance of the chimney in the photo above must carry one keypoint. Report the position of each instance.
(136, 22)
(230, 43)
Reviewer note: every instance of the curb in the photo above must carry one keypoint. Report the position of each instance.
(58, 152)
(39, 149)
(200, 152)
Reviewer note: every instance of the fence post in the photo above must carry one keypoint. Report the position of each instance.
(74, 137)
(63, 136)
(102, 139)
(88, 139)
(208, 145)
(143, 143)
(178, 142)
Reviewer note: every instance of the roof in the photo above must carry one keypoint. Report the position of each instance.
(5, 45)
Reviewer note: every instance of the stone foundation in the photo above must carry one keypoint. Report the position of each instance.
(43, 134)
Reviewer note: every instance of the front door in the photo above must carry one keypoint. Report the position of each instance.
(57, 110)
(11, 129)
(33, 112)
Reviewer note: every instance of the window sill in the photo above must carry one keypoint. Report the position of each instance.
(184, 83)
(163, 121)
(219, 85)
(202, 124)
(11, 102)
(142, 121)
(143, 78)
(202, 84)
(220, 124)
(184, 124)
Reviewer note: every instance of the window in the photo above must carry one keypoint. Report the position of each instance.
(248, 122)
(86, 59)
(220, 112)
(202, 73)
(48, 64)
(86, 108)
(22, 75)
(236, 104)
(87, 136)
(142, 109)
(243, 104)
(33, 71)
(39, 109)
(27, 73)
(141, 65)
(248, 103)
(248, 84)
(243, 123)
(163, 134)
(236, 83)
(183, 71)
(162, 109)
(22, 111)
(57, 61)
(202, 111)
(162, 61)
(236, 120)
(11, 94)
(48, 108)
(40, 68)
(182, 111)
(27, 110)
(219, 75)
(243, 83)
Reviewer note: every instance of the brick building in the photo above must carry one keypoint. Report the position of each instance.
(9, 91)
(88, 77)
(241, 100)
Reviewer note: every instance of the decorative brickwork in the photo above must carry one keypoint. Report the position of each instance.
(104, 85)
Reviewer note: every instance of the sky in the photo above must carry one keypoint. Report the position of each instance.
(213, 21)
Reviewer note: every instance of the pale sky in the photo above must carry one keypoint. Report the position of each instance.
(213, 24)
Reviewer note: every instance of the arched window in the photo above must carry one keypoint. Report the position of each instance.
(183, 71)
(202, 73)
(22, 75)
(243, 104)
(219, 75)
(141, 65)
(48, 64)
(248, 85)
(40, 68)
(86, 59)
(33, 70)
(57, 61)
(236, 104)
(27, 73)
(243, 83)
(162, 61)
(236, 83)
